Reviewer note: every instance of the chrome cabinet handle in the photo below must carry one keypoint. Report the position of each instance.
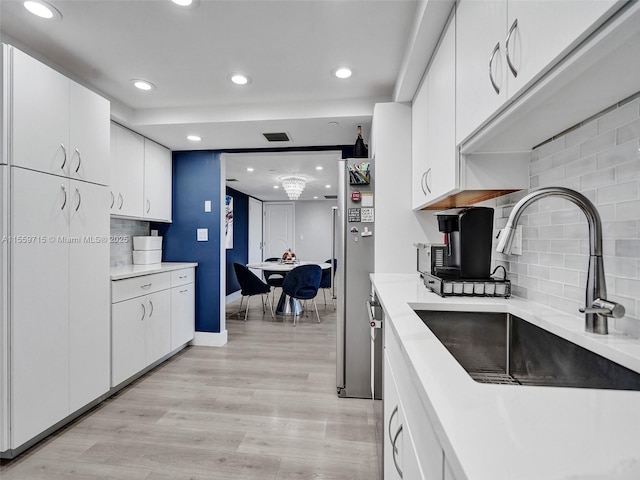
(395, 451)
(506, 48)
(121, 198)
(148, 205)
(395, 410)
(64, 162)
(151, 314)
(79, 199)
(493, 54)
(145, 286)
(79, 160)
(144, 312)
(184, 291)
(426, 179)
(423, 182)
(183, 276)
(113, 199)
(64, 203)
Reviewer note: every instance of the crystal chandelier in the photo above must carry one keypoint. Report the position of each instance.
(293, 186)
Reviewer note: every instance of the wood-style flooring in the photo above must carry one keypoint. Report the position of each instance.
(262, 407)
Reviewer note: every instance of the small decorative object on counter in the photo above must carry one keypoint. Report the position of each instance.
(147, 250)
(360, 150)
(289, 257)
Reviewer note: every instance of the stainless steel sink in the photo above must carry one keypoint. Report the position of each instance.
(500, 348)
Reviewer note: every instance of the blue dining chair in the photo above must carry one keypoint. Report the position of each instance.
(273, 278)
(325, 280)
(251, 285)
(302, 283)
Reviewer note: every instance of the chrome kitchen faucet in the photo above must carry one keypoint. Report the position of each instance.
(597, 309)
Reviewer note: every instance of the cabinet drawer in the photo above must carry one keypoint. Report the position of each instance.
(182, 277)
(136, 286)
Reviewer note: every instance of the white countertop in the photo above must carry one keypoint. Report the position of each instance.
(503, 432)
(128, 271)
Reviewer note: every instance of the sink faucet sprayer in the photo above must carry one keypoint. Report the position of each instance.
(597, 308)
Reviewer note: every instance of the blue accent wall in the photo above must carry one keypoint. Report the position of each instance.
(196, 178)
(240, 251)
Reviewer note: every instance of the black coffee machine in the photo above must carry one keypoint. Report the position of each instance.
(468, 237)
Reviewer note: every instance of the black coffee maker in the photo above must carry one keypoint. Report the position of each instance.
(468, 237)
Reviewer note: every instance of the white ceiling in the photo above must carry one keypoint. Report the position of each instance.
(288, 48)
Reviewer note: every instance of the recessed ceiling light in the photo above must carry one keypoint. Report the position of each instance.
(249, 169)
(333, 124)
(319, 167)
(194, 138)
(42, 9)
(327, 186)
(239, 79)
(183, 3)
(342, 72)
(276, 186)
(143, 84)
(315, 198)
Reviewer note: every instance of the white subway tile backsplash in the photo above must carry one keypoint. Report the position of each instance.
(601, 159)
(618, 193)
(619, 116)
(582, 134)
(627, 248)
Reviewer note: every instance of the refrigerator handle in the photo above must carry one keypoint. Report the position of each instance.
(334, 219)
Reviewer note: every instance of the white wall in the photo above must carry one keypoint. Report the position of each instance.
(313, 229)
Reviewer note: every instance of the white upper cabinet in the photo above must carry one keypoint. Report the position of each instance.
(141, 176)
(441, 119)
(481, 83)
(127, 172)
(39, 116)
(420, 162)
(57, 126)
(505, 45)
(89, 136)
(157, 181)
(540, 32)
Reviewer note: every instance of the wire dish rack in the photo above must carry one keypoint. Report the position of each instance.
(470, 288)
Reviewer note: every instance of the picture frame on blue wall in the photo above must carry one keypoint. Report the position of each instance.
(228, 222)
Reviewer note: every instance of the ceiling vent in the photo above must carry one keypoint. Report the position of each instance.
(277, 137)
(331, 197)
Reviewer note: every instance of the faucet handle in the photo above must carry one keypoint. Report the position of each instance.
(605, 307)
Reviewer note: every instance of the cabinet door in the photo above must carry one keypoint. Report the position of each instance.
(158, 325)
(40, 111)
(127, 162)
(157, 181)
(39, 302)
(89, 135)
(183, 314)
(128, 340)
(89, 300)
(547, 30)
(441, 119)
(481, 26)
(419, 156)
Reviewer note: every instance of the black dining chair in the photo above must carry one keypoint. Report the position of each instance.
(302, 283)
(251, 285)
(325, 280)
(273, 278)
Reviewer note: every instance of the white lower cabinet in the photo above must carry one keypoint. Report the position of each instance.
(151, 316)
(183, 313)
(410, 440)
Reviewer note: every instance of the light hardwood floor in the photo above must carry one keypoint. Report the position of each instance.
(262, 407)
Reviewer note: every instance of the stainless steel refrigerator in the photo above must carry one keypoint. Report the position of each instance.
(354, 239)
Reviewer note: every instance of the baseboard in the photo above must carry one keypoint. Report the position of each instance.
(232, 297)
(210, 339)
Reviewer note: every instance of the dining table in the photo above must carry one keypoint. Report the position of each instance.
(286, 305)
